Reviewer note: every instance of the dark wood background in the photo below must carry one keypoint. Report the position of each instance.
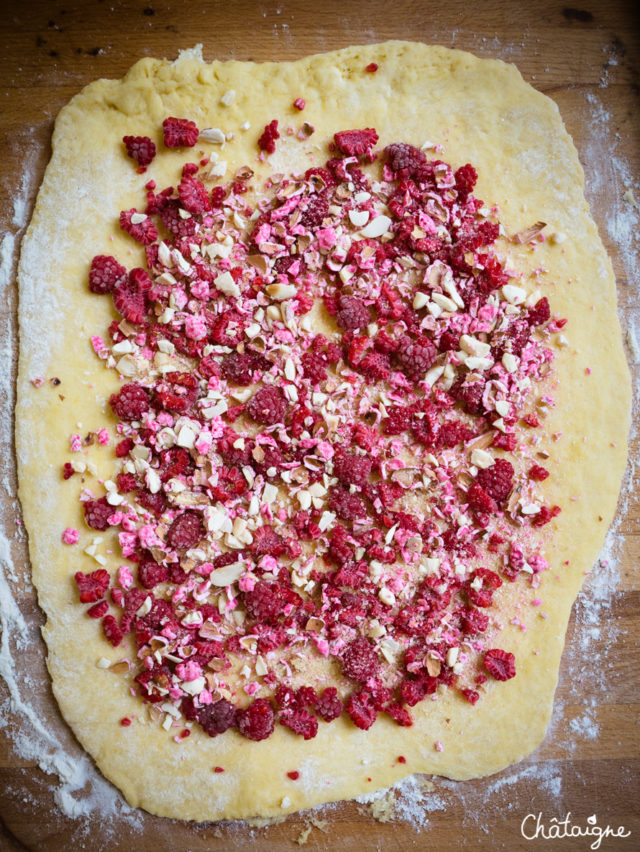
(587, 58)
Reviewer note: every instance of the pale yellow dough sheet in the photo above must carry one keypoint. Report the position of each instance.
(480, 111)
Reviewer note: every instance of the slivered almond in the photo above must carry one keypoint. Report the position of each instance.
(529, 233)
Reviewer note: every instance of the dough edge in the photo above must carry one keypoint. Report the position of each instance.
(177, 781)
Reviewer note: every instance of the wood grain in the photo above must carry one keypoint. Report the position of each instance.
(586, 58)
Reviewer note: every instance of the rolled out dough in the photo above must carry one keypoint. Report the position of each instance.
(480, 111)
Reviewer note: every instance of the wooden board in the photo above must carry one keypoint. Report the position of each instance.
(587, 59)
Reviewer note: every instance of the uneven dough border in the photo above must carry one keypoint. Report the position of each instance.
(480, 111)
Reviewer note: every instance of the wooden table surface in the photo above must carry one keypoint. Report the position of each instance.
(587, 59)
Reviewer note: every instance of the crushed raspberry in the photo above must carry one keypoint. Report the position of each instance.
(351, 469)
(301, 722)
(67, 470)
(481, 594)
(130, 295)
(105, 273)
(480, 501)
(140, 148)
(500, 664)
(545, 515)
(538, 473)
(371, 68)
(131, 402)
(400, 715)
(540, 312)
(144, 232)
(361, 710)
(179, 132)
(112, 632)
(267, 406)
(356, 143)
(299, 103)
(256, 722)
(177, 392)
(239, 367)
(194, 196)
(126, 482)
(497, 480)
(314, 367)
(375, 366)
(348, 506)
(360, 661)
(185, 531)
(465, 177)
(266, 601)
(97, 512)
(93, 586)
(267, 541)
(415, 357)
(98, 609)
(352, 313)
(471, 695)
(267, 141)
(293, 775)
(123, 448)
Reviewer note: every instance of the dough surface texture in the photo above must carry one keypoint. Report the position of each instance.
(480, 111)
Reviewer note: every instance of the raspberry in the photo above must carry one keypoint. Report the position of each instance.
(545, 515)
(315, 210)
(356, 143)
(306, 696)
(144, 232)
(505, 441)
(130, 295)
(112, 632)
(173, 221)
(267, 541)
(375, 366)
(471, 695)
(352, 313)
(93, 586)
(465, 177)
(150, 574)
(348, 506)
(540, 312)
(483, 596)
(538, 473)
(174, 462)
(361, 710)
(299, 103)
(480, 502)
(351, 469)
(177, 392)
(339, 549)
(359, 660)
(126, 483)
(67, 470)
(123, 448)
(131, 402)
(414, 691)
(400, 715)
(454, 432)
(96, 513)
(267, 141)
(397, 421)
(154, 503)
(216, 718)
(405, 160)
(500, 664)
(283, 265)
(300, 721)
(105, 273)
(98, 610)
(238, 367)
(314, 367)
(193, 196)
(256, 722)
(371, 68)
(185, 531)
(267, 406)
(140, 148)
(179, 132)
(470, 395)
(266, 601)
(497, 480)
(415, 357)
(209, 367)
(474, 621)
(329, 706)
